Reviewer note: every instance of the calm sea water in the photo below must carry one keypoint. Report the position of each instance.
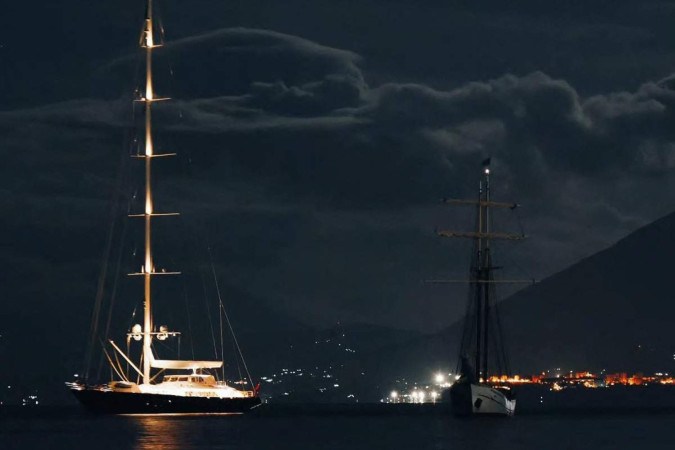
(74, 430)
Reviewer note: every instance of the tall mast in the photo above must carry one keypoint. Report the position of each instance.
(148, 97)
(478, 276)
(148, 43)
(487, 274)
(481, 279)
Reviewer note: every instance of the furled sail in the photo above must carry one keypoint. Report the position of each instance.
(184, 364)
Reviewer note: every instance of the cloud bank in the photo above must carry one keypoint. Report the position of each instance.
(331, 184)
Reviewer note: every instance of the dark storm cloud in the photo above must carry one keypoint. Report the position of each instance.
(226, 62)
(535, 126)
(532, 123)
(402, 142)
(347, 173)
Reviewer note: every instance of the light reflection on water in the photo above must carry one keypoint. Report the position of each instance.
(180, 431)
(161, 433)
(394, 433)
(340, 431)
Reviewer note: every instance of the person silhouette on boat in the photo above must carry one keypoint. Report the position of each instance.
(466, 371)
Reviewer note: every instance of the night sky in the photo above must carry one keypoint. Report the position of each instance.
(316, 139)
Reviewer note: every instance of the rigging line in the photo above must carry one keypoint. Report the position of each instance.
(169, 61)
(189, 319)
(119, 365)
(220, 324)
(220, 317)
(140, 363)
(134, 86)
(500, 332)
(122, 179)
(221, 309)
(234, 351)
(160, 23)
(103, 275)
(133, 315)
(238, 348)
(164, 345)
(112, 366)
(208, 314)
(182, 224)
(93, 327)
(222, 345)
(522, 233)
(498, 338)
(115, 284)
(157, 375)
(507, 258)
(494, 338)
(229, 324)
(119, 372)
(123, 176)
(469, 326)
(128, 351)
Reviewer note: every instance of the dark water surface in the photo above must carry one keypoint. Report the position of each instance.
(71, 429)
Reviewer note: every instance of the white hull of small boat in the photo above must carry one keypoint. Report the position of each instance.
(477, 399)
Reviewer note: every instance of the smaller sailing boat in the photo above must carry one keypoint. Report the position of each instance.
(482, 351)
(190, 386)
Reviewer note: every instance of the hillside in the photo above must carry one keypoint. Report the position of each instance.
(614, 310)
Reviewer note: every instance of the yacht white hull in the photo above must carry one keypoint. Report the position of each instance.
(476, 399)
(102, 400)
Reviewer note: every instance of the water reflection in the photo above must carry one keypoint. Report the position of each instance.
(171, 432)
(161, 432)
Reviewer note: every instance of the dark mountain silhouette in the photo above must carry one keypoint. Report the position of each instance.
(614, 310)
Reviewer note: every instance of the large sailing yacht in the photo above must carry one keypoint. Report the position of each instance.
(192, 386)
(482, 352)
